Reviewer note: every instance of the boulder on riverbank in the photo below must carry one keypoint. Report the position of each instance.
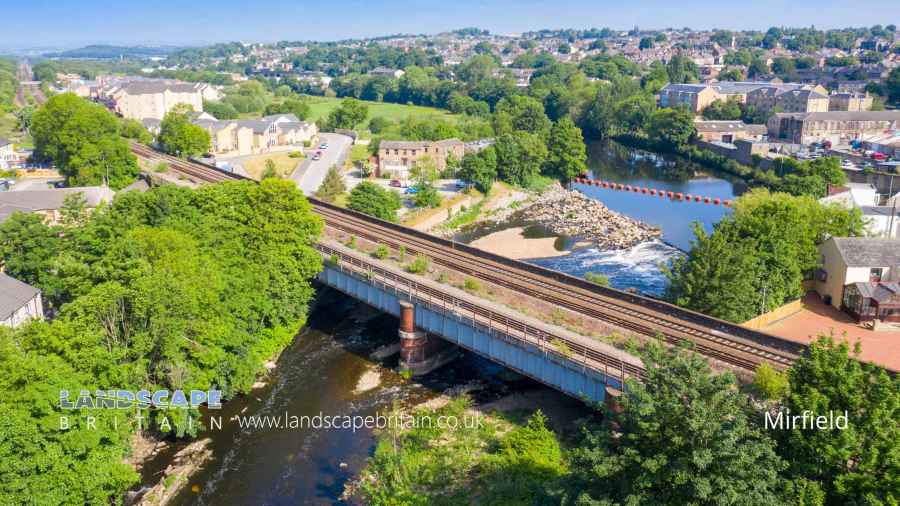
(571, 213)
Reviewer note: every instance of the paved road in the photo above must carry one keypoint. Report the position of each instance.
(309, 174)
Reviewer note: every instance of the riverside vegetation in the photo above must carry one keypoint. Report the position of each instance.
(684, 435)
(169, 289)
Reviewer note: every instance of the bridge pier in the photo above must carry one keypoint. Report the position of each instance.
(421, 353)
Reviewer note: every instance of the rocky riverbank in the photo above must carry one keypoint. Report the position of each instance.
(571, 213)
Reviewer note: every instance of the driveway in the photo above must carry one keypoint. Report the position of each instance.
(310, 173)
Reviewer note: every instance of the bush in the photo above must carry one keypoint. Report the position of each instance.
(352, 242)
(769, 383)
(381, 252)
(370, 198)
(471, 285)
(419, 265)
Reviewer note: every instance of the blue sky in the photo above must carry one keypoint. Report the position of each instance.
(72, 23)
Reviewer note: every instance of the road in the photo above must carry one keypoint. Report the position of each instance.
(310, 173)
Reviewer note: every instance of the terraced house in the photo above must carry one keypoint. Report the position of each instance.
(790, 97)
(253, 136)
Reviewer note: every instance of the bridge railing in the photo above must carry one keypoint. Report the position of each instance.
(563, 348)
(687, 316)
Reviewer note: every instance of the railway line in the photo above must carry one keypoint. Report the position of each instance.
(197, 171)
(712, 338)
(717, 339)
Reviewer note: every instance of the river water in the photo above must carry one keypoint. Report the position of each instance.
(318, 374)
(639, 267)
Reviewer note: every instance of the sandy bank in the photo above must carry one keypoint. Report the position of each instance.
(512, 243)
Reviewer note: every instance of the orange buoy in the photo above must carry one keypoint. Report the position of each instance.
(652, 191)
(679, 196)
(716, 201)
(628, 188)
(726, 203)
(605, 184)
(706, 200)
(671, 194)
(621, 186)
(697, 198)
(644, 190)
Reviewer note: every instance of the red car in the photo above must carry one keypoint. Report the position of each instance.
(395, 183)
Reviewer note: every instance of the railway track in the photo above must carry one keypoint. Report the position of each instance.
(571, 293)
(713, 338)
(199, 172)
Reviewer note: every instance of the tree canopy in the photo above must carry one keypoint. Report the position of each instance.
(82, 139)
(370, 198)
(179, 137)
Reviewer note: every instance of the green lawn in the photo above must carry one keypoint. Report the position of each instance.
(321, 106)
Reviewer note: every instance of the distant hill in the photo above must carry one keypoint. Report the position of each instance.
(110, 52)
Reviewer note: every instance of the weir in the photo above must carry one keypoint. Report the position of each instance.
(435, 319)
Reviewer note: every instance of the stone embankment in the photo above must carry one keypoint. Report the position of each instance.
(570, 213)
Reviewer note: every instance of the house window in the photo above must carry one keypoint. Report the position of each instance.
(875, 274)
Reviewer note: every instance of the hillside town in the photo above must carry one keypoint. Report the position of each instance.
(630, 253)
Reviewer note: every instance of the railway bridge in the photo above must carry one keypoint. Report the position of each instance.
(435, 317)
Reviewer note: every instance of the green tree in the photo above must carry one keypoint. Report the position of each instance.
(82, 140)
(295, 106)
(566, 153)
(179, 137)
(332, 186)
(857, 464)
(350, 113)
(370, 198)
(674, 127)
(723, 110)
(892, 86)
(133, 129)
(684, 436)
(756, 259)
(645, 43)
(480, 169)
(521, 112)
(220, 110)
(520, 157)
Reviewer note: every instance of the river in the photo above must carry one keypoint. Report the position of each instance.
(319, 373)
(639, 267)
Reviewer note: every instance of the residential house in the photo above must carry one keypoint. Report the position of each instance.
(19, 302)
(859, 275)
(881, 220)
(397, 157)
(839, 127)
(49, 202)
(253, 136)
(762, 95)
(153, 99)
(7, 154)
(387, 72)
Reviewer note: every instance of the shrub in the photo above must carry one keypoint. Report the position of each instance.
(381, 252)
(402, 253)
(352, 242)
(419, 265)
(769, 383)
(471, 285)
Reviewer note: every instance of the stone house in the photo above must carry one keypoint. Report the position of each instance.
(397, 157)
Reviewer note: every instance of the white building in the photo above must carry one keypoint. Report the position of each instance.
(881, 221)
(19, 302)
(859, 275)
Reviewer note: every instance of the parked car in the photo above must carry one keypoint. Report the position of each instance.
(324, 145)
(395, 183)
(412, 190)
(461, 185)
(316, 156)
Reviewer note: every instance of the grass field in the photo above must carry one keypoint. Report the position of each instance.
(320, 107)
(284, 164)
